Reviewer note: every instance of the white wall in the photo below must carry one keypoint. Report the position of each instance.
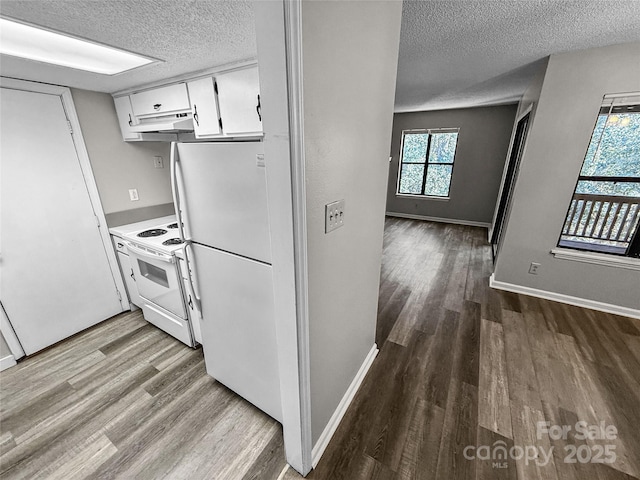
(350, 52)
(117, 165)
(4, 348)
(480, 155)
(569, 101)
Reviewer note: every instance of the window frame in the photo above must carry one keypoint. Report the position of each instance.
(426, 163)
(609, 102)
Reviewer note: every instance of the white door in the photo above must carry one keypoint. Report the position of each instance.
(56, 278)
(239, 101)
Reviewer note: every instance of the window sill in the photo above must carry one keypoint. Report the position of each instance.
(423, 197)
(597, 258)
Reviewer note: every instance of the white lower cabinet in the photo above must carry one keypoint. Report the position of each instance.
(127, 272)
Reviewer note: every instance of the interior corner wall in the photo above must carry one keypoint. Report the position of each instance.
(118, 165)
(481, 152)
(349, 54)
(559, 135)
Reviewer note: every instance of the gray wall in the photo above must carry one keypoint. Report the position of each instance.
(483, 142)
(350, 54)
(117, 165)
(569, 101)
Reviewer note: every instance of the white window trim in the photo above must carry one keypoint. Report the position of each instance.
(423, 197)
(597, 258)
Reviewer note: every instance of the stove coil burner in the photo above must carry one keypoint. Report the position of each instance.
(173, 225)
(154, 232)
(172, 241)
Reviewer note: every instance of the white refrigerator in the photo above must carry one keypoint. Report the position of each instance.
(221, 203)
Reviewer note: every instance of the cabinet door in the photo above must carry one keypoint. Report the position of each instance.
(159, 101)
(129, 279)
(126, 119)
(239, 100)
(204, 106)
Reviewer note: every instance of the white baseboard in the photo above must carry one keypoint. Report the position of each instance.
(7, 362)
(335, 419)
(562, 298)
(455, 221)
(283, 472)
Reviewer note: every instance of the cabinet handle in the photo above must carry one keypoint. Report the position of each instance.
(195, 115)
(259, 109)
(190, 303)
(132, 275)
(130, 120)
(157, 106)
(120, 245)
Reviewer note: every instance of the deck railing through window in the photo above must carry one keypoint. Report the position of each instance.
(606, 222)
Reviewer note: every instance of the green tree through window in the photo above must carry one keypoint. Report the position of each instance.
(605, 209)
(426, 162)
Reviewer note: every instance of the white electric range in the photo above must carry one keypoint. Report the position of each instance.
(154, 254)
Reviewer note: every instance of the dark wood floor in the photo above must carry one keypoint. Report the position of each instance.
(125, 400)
(461, 364)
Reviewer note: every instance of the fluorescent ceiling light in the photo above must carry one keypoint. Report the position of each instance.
(34, 43)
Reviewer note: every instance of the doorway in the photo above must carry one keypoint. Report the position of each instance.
(509, 181)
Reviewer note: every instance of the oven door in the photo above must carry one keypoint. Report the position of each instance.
(157, 279)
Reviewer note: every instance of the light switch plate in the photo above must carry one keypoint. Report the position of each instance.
(133, 195)
(333, 215)
(157, 162)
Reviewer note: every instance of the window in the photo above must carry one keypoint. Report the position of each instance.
(426, 162)
(604, 212)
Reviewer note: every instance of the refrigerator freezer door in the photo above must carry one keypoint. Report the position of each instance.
(223, 197)
(238, 326)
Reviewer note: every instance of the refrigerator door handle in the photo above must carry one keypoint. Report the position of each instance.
(189, 265)
(174, 189)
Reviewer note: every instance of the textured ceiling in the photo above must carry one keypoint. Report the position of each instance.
(469, 53)
(189, 35)
(456, 53)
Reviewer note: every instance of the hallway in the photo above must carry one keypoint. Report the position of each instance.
(461, 364)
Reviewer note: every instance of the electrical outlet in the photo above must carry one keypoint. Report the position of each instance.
(533, 268)
(333, 215)
(157, 162)
(133, 195)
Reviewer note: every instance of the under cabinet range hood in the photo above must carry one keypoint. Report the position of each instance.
(182, 122)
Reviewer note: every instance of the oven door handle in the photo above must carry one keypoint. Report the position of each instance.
(150, 255)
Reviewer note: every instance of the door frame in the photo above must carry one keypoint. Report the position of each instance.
(503, 181)
(85, 167)
(279, 41)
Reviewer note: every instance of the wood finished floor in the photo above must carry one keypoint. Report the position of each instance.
(125, 400)
(461, 364)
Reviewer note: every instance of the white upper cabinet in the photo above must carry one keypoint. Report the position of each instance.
(159, 101)
(220, 106)
(204, 107)
(126, 118)
(239, 101)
